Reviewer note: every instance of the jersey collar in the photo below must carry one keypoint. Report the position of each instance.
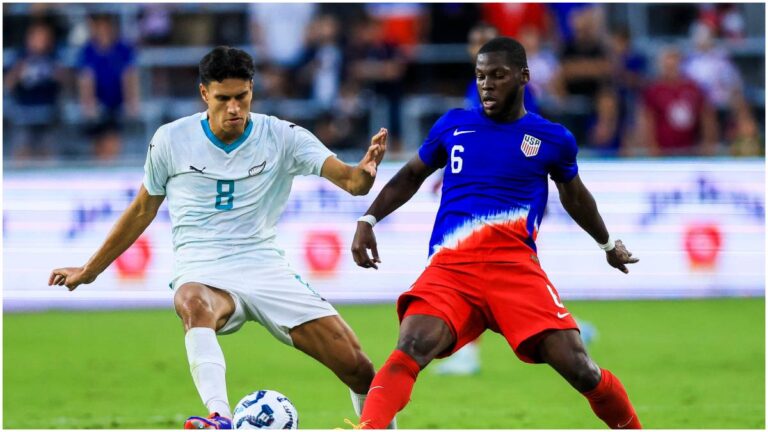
(228, 148)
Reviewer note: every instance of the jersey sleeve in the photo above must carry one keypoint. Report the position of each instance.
(305, 153)
(157, 166)
(565, 168)
(432, 151)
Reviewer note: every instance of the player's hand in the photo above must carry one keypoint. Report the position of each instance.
(620, 256)
(375, 152)
(364, 240)
(71, 277)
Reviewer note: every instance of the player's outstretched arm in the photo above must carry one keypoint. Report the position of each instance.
(581, 206)
(397, 192)
(357, 180)
(134, 220)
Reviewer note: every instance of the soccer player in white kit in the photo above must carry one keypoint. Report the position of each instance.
(227, 174)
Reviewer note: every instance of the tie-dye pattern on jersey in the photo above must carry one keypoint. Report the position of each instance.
(495, 183)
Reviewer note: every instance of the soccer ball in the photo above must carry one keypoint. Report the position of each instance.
(265, 409)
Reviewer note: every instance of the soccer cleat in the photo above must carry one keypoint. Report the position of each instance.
(214, 421)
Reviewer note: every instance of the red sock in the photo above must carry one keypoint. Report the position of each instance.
(610, 402)
(390, 390)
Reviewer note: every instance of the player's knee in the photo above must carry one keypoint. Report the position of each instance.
(420, 348)
(585, 374)
(194, 309)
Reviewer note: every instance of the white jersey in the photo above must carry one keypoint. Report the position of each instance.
(225, 199)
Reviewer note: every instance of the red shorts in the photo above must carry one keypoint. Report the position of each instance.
(515, 299)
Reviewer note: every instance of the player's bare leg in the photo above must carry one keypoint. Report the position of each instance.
(332, 342)
(203, 310)
(564, 351)
(199, 305)
(421, 339)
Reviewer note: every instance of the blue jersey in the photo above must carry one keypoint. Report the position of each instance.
(495, 185)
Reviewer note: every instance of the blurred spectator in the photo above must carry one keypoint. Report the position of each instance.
(724, 19)
(15, 30)
(323, 60)
(334, 131)
(605, 127)
(543, 64)
(724, 89)
(34, 82)
(279, 30)
(402, 24)
(585, 63)
(108, 85)
(743, 135)
(629, 77)
(478, 36)
(675, 118)
(563, 14)
(451, 22)
(353, 106)
(630, 67)
(344, 12)
(272, 84)
(379, 65)
(155, 24)
(711, 68)
(510, 18)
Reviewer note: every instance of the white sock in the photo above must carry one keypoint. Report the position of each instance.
(206, 362)
(358, 400)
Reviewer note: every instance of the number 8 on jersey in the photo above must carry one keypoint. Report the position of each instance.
(225, 199)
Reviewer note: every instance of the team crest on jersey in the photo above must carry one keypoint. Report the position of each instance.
(258, 169)
(530, 146)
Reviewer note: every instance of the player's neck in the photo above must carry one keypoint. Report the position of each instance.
(513, 115)
(224, 136)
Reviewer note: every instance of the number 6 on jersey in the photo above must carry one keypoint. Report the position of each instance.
(456, 161)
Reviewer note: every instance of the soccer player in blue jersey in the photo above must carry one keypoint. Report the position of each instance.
(483, 270)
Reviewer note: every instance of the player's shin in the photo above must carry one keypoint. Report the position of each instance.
(390, 390)
(358, 401)
(611, 404)
(206, 362)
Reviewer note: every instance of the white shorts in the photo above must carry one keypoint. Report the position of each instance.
(265, 289)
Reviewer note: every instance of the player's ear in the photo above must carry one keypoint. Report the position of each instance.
(525, 75)
(203, 92)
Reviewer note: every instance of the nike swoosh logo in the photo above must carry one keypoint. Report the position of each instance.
(563, 315)
(458, 132)
(625, 424)
(377, 387)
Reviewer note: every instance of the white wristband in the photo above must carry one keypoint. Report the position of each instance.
(371, 219)
(609, 245)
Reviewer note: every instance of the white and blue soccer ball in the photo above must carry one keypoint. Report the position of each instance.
(265, 409)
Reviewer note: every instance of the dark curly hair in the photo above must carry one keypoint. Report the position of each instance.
(226, 62)
(513, 49)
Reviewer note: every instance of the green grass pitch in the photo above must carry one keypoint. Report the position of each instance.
(686, 364)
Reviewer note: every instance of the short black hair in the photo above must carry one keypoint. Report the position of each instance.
(514, 50)
(226, 62)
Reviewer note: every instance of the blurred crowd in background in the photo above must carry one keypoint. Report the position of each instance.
(93, 81)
